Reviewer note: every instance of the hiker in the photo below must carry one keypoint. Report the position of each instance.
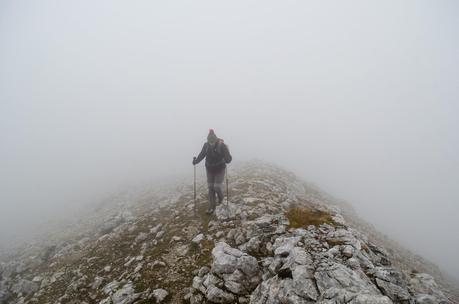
(217, 156)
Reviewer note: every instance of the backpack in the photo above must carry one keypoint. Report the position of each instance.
(215, 155)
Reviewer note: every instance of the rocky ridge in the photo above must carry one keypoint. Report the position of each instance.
(277, 240)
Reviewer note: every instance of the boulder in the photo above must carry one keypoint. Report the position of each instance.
(426, 299)
(156, 229)
(160, 295)
(228, 211)
(125, 295)
(276, 290)
(422, 284)
(233, 272)
(392, 283)
(331, 274)
(303, 283)
(217, 295)
(141, 237)
(111, 287)
(225, 259)
(395, 292)
(370, 299)
(348, 251)
(97, 282)
(338, 295)
(197, 239)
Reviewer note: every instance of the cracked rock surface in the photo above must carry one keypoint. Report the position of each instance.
(276, 240)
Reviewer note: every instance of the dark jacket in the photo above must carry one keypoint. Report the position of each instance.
(217, 156)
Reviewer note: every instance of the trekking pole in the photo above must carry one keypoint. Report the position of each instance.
(194, 182)
(227, 191)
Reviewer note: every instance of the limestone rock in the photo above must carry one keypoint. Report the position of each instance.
(125, 295)
(216, 295)
(197, 239)
(160, 294)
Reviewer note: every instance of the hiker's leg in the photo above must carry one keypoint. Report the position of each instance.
(210, 185)
(218, 185)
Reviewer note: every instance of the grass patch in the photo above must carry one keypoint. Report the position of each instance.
(301, 217)
(335, 242)
(140, 286)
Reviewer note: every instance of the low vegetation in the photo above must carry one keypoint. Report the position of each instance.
(302, 217)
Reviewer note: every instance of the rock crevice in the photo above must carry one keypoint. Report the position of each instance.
(277, 240)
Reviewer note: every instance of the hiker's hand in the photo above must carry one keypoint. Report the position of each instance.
(194, 161)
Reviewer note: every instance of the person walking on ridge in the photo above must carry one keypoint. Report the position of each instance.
(217, 156)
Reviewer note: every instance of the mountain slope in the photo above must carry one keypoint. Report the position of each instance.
(278, 240)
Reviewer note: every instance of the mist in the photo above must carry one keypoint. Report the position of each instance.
(359, 98)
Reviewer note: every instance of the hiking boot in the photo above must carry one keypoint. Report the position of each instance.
(210, 211)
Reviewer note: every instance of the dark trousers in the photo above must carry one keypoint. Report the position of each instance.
(215, 184)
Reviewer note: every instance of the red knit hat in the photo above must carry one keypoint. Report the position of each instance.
(212, 138)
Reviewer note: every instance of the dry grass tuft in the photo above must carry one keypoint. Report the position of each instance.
(303, 217)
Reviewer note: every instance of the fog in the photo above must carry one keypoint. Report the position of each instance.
(360, 98)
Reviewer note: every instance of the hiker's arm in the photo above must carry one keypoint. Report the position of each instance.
(201, 155)
(226, 154)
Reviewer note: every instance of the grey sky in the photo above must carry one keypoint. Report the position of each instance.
(360, 97)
